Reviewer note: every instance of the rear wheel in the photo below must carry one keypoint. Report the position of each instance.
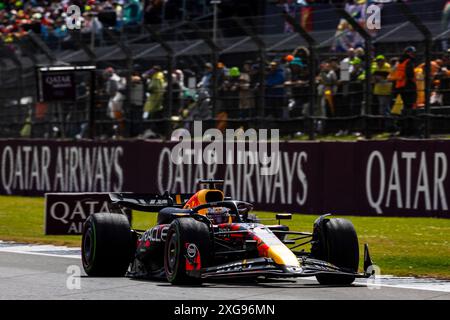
(337, 243)
(107, 244)
(186, 238)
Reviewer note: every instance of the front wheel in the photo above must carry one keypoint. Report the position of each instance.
(337, 243)
(188, 248)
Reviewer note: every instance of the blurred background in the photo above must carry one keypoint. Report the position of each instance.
(312, 69)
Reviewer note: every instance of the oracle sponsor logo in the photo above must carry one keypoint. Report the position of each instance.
(409, 180)
(156, 234)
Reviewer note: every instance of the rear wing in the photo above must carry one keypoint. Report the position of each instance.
(149, 202)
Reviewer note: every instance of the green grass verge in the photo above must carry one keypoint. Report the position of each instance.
(399, 246)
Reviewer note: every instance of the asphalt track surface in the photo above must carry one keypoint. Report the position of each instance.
(31, 276)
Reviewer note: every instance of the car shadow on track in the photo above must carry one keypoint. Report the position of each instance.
(273, 283)
(257, 283)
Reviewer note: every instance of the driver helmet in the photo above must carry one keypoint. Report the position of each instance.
(219, 215)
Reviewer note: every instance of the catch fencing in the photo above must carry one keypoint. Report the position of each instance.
(305, 109)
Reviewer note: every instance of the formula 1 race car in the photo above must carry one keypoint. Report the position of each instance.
(208, 236)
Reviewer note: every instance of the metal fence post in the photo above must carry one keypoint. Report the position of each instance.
(92, 58)
(90, 53)
(418, 24)
(128, 61)
(18, 63)
(214, 54)
(262, 63)
(91, 111)
(170, 56)
(367, 65)
(312, 70)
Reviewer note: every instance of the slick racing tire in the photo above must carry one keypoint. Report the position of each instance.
(338, 244)
(106, 248)
(186, 238)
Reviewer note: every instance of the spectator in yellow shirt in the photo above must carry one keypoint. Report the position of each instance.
(383, 87)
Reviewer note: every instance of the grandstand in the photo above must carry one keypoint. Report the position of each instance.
(132, 42)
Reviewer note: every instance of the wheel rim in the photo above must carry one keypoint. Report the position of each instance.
(87, 246)
(172, 253)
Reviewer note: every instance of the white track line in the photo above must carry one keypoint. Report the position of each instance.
(42, 250)
(389, 281)
(406, 283)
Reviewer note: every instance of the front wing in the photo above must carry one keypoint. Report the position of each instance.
(266, 267)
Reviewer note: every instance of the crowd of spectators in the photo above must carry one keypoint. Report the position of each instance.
(284, 80)
(397, 88)
(50, 18)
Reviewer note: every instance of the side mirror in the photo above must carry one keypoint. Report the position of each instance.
(283, 216)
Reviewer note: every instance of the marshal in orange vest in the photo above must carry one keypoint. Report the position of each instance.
(400, 74)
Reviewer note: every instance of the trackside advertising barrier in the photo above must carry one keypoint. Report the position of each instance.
(65, 213)
(391, 178)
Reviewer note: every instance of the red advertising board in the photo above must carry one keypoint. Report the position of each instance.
(392, 178)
